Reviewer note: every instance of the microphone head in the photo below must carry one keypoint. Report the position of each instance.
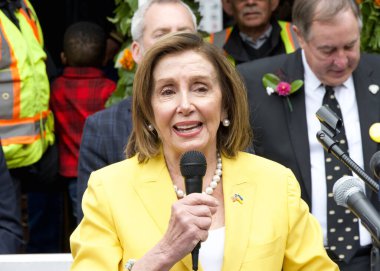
(344, 188)
(374, 164)
(193, 163)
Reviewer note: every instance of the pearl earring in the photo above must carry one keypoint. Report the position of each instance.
(226, 122)
(150, 127)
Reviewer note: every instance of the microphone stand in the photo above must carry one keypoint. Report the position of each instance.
(332, 146)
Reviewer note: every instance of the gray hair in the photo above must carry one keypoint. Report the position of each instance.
(305, 12)
(138, 25)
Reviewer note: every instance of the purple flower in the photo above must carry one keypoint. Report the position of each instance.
(283, 88)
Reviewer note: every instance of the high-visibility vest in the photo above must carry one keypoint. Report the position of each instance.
(287, 34)
(26, 123)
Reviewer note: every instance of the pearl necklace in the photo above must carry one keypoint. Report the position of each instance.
(213, 184)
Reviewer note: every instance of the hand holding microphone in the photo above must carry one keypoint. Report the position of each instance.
(193, 167)
(191, 216)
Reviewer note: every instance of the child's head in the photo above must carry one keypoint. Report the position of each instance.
(84, 45)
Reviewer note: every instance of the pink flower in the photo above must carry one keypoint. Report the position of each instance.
(283, 89)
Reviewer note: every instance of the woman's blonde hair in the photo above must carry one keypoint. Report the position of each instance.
(230, 140)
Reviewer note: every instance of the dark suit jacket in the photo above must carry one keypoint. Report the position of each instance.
(281, 135)
(105, 136)
(10, 221)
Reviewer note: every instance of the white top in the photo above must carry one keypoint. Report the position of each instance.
(345, 94)
(212, 250)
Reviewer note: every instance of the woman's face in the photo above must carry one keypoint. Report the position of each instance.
(187, 103)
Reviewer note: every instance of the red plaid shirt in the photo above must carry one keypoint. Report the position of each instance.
(78, 93)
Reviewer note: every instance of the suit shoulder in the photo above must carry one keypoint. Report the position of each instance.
(122, 108)
(262, 64)
(114, 173)
(370, 59)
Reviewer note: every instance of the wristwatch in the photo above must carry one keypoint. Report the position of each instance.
(129, 264)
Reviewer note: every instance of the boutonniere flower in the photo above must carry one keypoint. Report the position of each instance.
(274, 84)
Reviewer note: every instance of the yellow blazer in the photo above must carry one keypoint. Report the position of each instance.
(127, 209)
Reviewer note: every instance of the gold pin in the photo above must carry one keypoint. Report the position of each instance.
(237, 198)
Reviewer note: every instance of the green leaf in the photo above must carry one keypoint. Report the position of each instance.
(270, 80)
(295, 85)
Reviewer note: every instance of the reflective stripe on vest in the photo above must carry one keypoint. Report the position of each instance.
(22, 131)
(220, 38)
(27, 13)
(10, 80)
(288, 37)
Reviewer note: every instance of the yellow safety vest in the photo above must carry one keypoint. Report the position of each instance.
(287, 34)
(26, 123)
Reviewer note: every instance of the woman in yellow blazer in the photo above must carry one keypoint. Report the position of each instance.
(187, 96)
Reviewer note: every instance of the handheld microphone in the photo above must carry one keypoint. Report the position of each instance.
(374, 164)
(193, 167)
(349, 192)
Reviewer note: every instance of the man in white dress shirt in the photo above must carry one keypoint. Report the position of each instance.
(285, 127)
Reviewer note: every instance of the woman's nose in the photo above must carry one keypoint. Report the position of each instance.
(184, 104)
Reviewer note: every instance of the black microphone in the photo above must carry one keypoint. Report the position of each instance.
(193, 167)
(374, 164)
(349, 192)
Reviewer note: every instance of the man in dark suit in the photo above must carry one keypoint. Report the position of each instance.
(105, 134)
(10, 222)
(285, 127)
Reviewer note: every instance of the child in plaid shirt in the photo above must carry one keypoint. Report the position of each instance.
(80, 91)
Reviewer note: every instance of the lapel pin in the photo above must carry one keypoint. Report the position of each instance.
(237, 198)
(373, 89)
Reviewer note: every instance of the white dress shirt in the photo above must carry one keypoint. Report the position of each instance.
(345, 94)
(212, 250)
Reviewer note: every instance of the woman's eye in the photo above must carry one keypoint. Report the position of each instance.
(167, 91)
(200, 88)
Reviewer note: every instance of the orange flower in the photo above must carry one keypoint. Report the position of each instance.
(377, 3)
(359, 1)
(127, 61)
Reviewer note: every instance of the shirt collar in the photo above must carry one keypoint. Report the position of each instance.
(312, 80)
(259, 41)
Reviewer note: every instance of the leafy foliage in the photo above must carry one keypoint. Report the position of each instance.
(370, 36)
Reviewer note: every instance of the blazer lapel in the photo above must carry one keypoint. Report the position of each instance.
(296, 120)
(369, 110)
(237, 216)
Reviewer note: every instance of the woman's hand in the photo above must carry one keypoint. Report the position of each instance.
(190, 220)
